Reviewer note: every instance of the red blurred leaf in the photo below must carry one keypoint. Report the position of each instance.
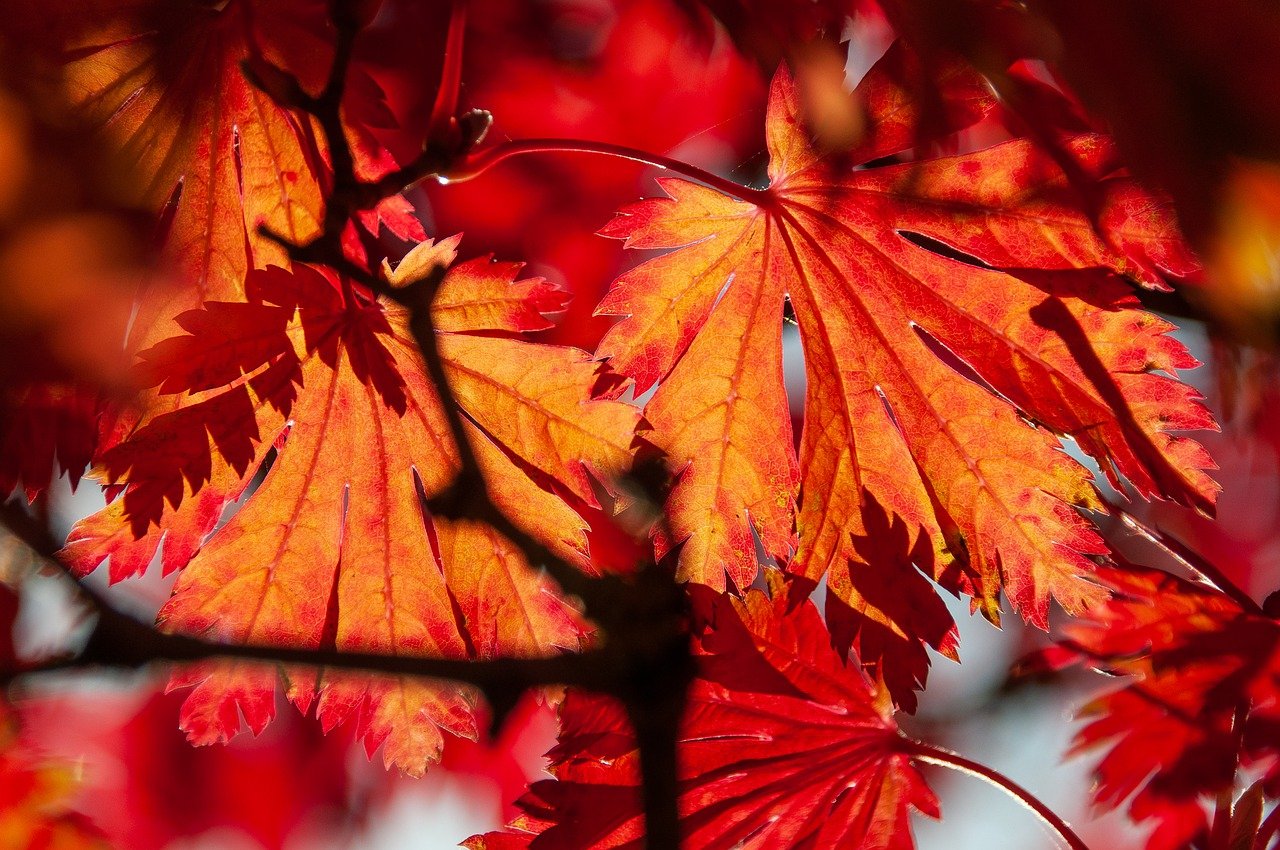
(148, 788)
(35, 798)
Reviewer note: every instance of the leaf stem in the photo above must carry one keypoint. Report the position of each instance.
(945, 758)
(480, 162)
(1220, 829)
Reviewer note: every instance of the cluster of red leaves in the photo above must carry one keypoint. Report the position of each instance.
(936, 386)
(292, 361)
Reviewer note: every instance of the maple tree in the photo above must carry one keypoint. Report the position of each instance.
(403, 481)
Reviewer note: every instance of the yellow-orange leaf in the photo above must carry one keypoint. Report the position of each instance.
(35, 799)
(335, 547)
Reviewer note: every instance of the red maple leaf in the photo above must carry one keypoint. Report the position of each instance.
(782, 745)
(957, 316)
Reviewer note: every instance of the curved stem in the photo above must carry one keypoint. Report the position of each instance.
(482, 161)
(1220, 827)
(945, 758)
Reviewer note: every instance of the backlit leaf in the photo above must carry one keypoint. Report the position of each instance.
(191, 140)
(335, 548)
(957, 316)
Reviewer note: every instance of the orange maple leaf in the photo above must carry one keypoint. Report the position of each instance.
(957, 316)
(334, 548)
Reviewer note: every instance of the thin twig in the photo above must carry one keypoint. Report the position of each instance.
(120, 641)
(445, 109)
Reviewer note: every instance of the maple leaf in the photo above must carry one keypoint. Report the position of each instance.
(191, 139)
(782, 745)
(49, 421)
(334, 548)
(937, 384)
(1204, 697)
